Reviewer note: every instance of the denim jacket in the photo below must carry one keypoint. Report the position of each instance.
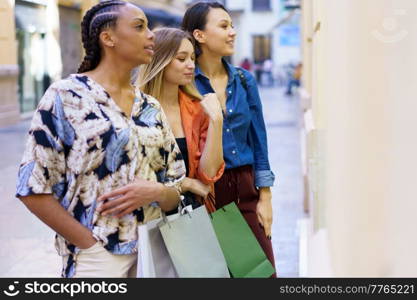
(244, 133)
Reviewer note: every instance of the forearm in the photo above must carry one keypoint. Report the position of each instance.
(49, 211)
(212, 156)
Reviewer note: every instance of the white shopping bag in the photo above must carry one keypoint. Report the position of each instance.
(153, 257)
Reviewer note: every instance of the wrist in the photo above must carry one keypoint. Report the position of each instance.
(185, 185)
(265, 193)
(161, 192)
(88, 242)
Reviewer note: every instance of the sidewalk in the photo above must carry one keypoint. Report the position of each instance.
(282, 117)
(28, 245)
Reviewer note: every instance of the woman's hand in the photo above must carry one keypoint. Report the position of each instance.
(264, 210)
(195, 186)
(124, 200)
(212, 107)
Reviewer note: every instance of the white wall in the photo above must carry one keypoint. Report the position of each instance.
(363, 89)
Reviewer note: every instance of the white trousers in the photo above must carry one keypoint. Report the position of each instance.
(96, 262)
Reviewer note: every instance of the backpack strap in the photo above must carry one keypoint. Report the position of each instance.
(245, 86)
(242, 78)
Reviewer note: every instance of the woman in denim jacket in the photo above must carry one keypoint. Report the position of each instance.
(248, 177)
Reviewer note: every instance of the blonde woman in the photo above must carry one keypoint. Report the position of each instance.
(196, 121)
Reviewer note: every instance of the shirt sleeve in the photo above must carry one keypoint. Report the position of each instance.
(201, 175)
(43, 167)
(264, 177)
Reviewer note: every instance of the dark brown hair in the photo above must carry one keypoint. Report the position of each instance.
(100, 16)
(196, 18)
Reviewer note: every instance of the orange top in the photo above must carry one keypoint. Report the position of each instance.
(195, 124)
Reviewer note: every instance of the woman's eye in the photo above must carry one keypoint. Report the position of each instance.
(181, 59)
(139, 26)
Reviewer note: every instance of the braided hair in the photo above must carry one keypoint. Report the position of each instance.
(101, 16)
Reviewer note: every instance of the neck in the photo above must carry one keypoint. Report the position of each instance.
(113, 74)
(169, 94)
(211, 65)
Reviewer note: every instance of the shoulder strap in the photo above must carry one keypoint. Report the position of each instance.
(242, 78)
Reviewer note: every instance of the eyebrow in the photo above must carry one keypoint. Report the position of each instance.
(184, 52)
(139, 19)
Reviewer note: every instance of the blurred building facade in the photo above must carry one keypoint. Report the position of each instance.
(264, 31)
(360, 151)
(40, 42)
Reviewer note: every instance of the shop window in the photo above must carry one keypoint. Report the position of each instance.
(261, 5)
(261, 48)
(33, 79)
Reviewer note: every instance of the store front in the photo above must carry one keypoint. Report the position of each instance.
(161, 18)
(33, 79)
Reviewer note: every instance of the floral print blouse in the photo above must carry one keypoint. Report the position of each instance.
(81, 145)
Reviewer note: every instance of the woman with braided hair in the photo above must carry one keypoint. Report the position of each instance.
(94, 134)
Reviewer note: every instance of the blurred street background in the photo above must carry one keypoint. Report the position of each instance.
(338, 90)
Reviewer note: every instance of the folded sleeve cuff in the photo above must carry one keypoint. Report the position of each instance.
(264, 178)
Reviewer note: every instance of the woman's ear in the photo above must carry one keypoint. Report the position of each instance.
(107, 39)
(199, 36)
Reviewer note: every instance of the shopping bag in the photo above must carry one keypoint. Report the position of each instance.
(244, 256)
(193, 245)
(153, 258)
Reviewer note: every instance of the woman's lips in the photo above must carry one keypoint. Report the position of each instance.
(149, 49)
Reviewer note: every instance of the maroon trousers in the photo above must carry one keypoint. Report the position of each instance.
(238, 185)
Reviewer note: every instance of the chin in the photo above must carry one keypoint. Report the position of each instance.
(229, 52)
(183, 83)
(144, 60)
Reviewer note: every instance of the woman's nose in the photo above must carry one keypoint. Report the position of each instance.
(151, 35)
(191, 65)
(232, 32)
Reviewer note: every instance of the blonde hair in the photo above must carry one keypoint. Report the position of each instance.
(150, 77)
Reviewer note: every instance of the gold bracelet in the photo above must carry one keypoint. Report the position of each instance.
(180, 187)
(179, 192)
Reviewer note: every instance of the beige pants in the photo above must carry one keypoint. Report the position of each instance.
(96, 261)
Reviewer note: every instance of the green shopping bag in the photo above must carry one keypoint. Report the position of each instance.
(244, 256)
